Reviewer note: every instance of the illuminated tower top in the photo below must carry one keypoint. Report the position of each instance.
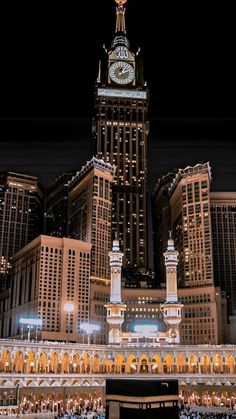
(115, 257)
(120, 32)
(120, 16)
(171, 262)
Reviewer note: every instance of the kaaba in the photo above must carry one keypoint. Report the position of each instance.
(139, 399)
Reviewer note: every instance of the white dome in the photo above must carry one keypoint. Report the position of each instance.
(170, 244)
(116, 245)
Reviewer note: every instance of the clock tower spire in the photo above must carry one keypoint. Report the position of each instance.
(120, 16)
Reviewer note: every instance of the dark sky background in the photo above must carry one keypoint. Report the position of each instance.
(49, 61)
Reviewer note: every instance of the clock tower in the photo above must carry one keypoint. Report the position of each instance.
(120, 137)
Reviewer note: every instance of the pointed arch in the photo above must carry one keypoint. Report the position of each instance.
(107, 365)
(96, 363)
(193, 364)
(168, 363)
(180, 363)
(43, 383)
(65, 364)
(18, 362)
(76, 363)
(86, 363)
(131, 366)
(75, 383)
(205, 364)
(143, 364)
(217, 363)
(43, 362)
(30, 362)
(54, 362)
(6, 361)
(6, 383)
(229, 364)
(119, 364)
(17, 382)
(156, 364)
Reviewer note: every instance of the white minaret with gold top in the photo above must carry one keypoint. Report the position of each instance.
(115, 307)
(172, 309)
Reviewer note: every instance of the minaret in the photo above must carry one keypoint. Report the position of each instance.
(172, 309)
(115, 308)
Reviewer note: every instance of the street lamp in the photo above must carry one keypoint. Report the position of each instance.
(29, 327)
(89, 328)
(68, 307)
(30, 323)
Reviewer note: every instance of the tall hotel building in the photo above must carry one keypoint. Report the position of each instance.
(48, 273)
(21, 217)
(89, 197)
(79, 207)
(181, 204)
(188, 209)
(57, 208)
(120, 137)
(223, 218)
(161, 224)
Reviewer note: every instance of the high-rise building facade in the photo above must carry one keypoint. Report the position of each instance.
(189, 201)
(89, 198)
(161, 223)
(223, 218)
(120, 136)
(21, 217)
(49, 273)
(57, 208)
(204, 225)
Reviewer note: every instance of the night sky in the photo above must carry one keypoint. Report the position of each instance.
(49, 66)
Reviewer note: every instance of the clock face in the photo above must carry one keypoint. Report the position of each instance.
(121, 72)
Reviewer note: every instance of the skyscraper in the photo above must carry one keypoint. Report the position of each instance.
(223, 218)
(21, 217)
(57, 208)
(89, 198)
(190, 221)
(120, 136)
(161, 223)
(181, 203)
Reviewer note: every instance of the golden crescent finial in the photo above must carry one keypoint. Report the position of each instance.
(121, 1)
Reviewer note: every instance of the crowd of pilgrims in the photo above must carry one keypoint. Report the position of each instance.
(187, 413)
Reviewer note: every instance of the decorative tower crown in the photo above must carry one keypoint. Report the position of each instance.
(116, 245)
(171, 255)
(120, 32)
(120, 13)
